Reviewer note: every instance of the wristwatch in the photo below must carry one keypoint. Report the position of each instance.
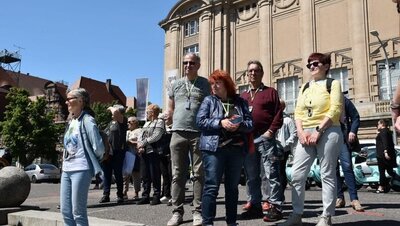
(394, 106)
(319, 130)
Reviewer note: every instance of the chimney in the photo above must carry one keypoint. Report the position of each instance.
(108, 85)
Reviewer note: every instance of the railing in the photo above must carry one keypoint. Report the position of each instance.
(382, 107)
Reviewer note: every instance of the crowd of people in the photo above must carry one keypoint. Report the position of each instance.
(211, 134)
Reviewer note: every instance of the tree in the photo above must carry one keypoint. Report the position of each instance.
(102, 115)
(28, 128)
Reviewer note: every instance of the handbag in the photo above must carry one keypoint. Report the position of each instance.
(129, 163)
(162, 145)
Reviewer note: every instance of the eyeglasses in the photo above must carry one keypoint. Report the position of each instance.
(191, 63)
(131, 122)
(71, 98)
(315, 64)
(254, 70)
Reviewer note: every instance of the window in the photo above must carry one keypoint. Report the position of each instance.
(191, 28)
(288, 89)
(384, 82)
(340, 74)
(243, 88)
(191, 49)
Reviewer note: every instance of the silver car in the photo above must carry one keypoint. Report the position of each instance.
(43, 172)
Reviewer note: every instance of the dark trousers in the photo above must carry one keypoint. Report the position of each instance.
(114, 165)
(151, 174)
(382, 166)
(166, 172)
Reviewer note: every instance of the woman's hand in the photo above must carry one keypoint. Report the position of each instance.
(387, 157)
(313, 139)
(229, 126)
(304, 137)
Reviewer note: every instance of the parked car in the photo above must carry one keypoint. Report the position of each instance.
(43, 173)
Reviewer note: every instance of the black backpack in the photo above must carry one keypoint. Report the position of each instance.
(328, 85)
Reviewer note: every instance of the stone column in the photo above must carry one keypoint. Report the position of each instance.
(173, 49)
(205, 43)
(359, 52)
(307, 37)
(217, 48)
(265, 39)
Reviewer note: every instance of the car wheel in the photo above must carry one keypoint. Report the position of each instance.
(34, 179)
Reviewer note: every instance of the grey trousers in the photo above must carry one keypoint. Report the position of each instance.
(327, 150)
(182, 144)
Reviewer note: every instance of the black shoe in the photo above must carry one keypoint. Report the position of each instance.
(155, 201)
(253, 213)
(143, 201)
(104, 199)
(273, 215)
(120, 200)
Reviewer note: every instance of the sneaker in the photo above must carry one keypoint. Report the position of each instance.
(175, 220)
(266, 206)
(197, 219)
(104, 199)
(253, 213)
(293, 220)
(272, 215)
(340, 203)
(120, 200)
(143, 201)
(357, 206)
(155, 201)
(169, 202)
(246, 206)
(164, 200)
(324, 221)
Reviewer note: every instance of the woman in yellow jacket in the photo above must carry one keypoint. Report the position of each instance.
(317, 117)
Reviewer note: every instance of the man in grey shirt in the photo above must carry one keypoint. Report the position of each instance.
(185, 97)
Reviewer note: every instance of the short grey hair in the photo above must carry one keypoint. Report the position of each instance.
(256, 62)
(119, 107)
(194, 55)
(83, 94)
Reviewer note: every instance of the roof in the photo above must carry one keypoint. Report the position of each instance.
(99, 92)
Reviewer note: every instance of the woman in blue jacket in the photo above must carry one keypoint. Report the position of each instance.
(224, 119)
(84, 149)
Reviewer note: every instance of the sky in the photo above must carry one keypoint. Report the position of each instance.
(99, 39)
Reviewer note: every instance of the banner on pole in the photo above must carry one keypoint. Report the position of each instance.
(142, 87)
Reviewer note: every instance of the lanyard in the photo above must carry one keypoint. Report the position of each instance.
(251, 94)
(226, 109)
(187, 87)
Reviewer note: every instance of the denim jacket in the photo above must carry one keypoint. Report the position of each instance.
(209, 119)
(92, 141)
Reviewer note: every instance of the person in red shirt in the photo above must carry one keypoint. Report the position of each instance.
(264, 105)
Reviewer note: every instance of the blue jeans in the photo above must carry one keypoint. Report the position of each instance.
(347, 167)
(271, 158)
(252, 170)
(73, 197)
(227, 161)
(114, 164)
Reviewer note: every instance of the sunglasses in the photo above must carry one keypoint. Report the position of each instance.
(315, 64)
(191, 63)
(131, 122)
(71, 98)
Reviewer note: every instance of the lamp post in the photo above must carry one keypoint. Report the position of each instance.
(387, 72)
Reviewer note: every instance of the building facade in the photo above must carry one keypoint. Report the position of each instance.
(282, 34)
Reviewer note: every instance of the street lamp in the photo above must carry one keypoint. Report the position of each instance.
(387, 72)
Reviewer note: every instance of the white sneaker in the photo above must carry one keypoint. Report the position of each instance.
(164, 200)
(175, 220)
(197, 219)
(293, 220)
(324, 221)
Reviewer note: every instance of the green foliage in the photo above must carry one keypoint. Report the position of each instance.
(130, 112)
(102, 115)
(28, 128)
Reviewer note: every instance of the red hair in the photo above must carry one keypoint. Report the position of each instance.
(226, 79)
